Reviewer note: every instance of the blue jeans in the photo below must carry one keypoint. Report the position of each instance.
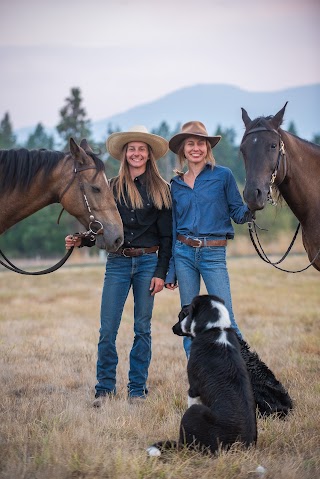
(208, 262)
(121, 274)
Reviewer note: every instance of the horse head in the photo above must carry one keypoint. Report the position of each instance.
(261, 148)
(88, 196)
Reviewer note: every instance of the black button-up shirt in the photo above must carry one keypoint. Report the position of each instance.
(147, 226)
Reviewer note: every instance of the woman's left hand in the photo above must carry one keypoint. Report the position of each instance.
(156, 285)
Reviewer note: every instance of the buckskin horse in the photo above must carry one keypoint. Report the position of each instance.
(33, 179)
(274, 157)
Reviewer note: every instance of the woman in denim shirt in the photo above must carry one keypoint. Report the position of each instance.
(144, 203)
(204, 200)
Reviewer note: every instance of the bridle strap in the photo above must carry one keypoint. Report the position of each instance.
(78, 169)
(282, 155)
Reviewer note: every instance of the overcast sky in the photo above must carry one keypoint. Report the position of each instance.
(122, 53)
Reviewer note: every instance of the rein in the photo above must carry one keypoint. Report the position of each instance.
(252, 225)
(95, 228)
(252, 228)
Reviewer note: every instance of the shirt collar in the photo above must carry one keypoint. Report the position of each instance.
(141, 178)
(207, 167)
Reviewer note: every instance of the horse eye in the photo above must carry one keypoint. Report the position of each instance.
(96, 189)
(273, 146)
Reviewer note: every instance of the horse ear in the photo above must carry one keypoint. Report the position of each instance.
(278, 117)
(77, 152)
(84, 144)
(74, 148)
(245, 117)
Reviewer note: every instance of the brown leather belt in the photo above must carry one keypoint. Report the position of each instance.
(199, 243)
(131, 252)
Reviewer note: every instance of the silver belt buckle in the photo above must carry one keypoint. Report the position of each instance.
(200, 242)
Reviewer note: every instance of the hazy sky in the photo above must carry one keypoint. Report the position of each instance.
(122, 53)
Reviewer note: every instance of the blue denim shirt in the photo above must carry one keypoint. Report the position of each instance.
(206, 209)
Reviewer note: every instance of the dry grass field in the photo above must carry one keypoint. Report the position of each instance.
(48, 339)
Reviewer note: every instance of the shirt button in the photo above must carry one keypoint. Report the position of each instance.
(131, 233)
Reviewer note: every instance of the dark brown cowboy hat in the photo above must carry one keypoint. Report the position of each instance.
(192, 128)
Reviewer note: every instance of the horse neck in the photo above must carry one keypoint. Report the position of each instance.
(18, 204)
(302, 165)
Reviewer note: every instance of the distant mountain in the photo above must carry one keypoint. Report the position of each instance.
(216, 104)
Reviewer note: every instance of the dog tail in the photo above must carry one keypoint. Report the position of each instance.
(270, 395)
(159, 447)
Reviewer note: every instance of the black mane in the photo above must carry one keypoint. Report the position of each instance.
(19, 167)
(261, 121)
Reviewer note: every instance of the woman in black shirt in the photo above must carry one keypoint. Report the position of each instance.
(144, 202)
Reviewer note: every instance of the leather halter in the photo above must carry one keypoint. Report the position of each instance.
(95, 226)
(281, 155)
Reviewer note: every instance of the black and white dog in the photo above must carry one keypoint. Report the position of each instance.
(220, 398)
(270, 395)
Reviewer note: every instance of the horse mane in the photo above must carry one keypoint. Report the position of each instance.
(261, 121)
(19, 167)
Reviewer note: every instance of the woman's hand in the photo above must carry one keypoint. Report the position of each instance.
(72, 241)
(171, 286)
(156, 285)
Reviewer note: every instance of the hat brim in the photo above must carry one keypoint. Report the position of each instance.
(176, 140)
(117, 141)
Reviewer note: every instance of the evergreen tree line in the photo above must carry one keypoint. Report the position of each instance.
(39, 235)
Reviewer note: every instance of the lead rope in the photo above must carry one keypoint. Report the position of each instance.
(252, 228)
(15, 269)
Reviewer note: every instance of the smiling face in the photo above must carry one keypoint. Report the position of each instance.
(137, 155)
(196, 149)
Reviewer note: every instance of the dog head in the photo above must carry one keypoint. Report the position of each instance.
(205, 312)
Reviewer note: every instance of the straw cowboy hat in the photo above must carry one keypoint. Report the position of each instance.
(192, 128)
(117, 141)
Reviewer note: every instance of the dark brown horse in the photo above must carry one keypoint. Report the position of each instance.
(274, 157)
(31, 180)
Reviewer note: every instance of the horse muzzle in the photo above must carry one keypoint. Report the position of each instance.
(255, 197)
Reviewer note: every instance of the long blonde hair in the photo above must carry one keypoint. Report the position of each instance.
(209, 158)
(157, 188)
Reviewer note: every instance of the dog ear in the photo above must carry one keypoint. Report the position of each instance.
(184, 312)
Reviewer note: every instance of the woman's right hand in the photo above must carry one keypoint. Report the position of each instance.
(72, 241)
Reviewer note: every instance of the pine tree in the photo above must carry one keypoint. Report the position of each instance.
(39, 139)
(226, 153)
(73, 120)
(7, 137)
(292, 128)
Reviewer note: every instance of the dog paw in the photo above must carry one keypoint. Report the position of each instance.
(153, 451)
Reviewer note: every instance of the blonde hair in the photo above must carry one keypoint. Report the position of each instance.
(209, 157)
(157, 188)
